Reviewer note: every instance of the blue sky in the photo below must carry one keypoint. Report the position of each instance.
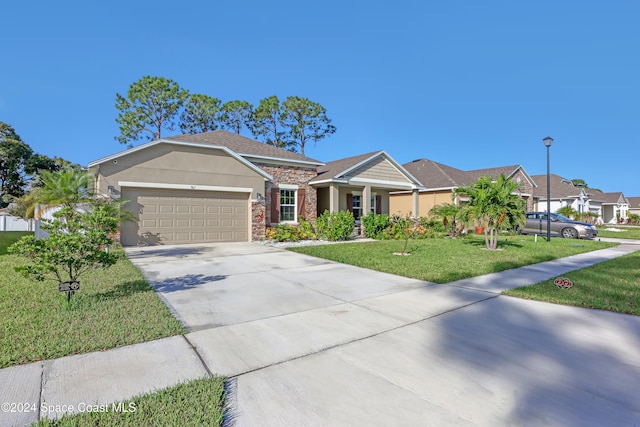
(466, 83)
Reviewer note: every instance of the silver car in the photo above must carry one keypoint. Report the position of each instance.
(560, 226)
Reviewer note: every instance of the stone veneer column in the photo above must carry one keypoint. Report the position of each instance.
(258, 220)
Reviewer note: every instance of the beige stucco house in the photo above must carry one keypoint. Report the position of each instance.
(220, 187)
(441, 180)
(211, 187)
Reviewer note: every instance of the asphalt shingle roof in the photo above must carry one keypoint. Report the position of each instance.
(560, 187)
(437, 175)
(242, 145)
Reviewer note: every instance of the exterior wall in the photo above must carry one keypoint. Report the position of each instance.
(171, 164)
(379, 169)
(323, 200)
(294, 176)
(402, 204)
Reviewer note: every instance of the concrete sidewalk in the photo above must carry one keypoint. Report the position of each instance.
(408, 353)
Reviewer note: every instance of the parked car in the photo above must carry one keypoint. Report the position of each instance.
(560, 226)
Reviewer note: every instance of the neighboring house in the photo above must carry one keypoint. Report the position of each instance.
(219, 187)
(614, 206)
(609, 207)
(441, 180)
(563, 193)
(634, 205)
(361, 184)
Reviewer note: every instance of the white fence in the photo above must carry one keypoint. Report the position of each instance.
(14, 223)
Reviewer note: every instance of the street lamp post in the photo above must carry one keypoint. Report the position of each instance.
(547, 143)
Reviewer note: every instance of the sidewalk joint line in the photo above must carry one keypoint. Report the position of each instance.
(195, 350)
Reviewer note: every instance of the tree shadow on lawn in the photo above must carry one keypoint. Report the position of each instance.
(503, 243)
(123, 290)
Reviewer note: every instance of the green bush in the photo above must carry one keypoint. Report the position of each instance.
(286, 233)
(375, 224)
(335, 226)
(292, 233)
(306, 231)
(435, 225)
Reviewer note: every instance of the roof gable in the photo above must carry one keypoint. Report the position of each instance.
(116, 156)
(342, 170)
(242, 148)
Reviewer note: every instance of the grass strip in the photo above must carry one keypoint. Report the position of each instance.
(611, 285)
(195, 403)
(446, 260)
(113, 308)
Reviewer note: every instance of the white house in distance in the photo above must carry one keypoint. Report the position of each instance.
(608, 206)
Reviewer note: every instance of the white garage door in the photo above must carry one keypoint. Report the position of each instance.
(168, 217)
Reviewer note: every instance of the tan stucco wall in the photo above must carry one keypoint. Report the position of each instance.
(402, 203)
(173, 164)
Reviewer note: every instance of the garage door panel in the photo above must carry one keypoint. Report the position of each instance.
(185, 216)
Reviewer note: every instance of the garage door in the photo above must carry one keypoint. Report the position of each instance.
(168, 217)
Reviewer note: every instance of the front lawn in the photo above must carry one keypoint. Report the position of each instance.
(195, 403)
(113, 308)
(611, 285)
(624, 233)
(8, 238)
(445, 260)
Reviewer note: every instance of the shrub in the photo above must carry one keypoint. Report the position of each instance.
(375, 224)
(335, 226)
(306, 231)
(77, 243)
(291, 233)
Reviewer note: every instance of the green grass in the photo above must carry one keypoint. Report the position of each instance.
(196, 403)
(611, 285)
(445, 260)
(7, 238)
(113, 308)
(628, 233)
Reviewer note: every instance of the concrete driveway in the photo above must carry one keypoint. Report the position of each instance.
(312, 342)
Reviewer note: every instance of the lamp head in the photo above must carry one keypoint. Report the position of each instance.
(547, 141)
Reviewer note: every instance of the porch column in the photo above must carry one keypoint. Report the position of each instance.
(415, 199)
(334, 198)
(366, 200)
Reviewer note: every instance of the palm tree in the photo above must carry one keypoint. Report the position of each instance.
(568, 211)
(451, 216)
(67, 188)
(495, 205)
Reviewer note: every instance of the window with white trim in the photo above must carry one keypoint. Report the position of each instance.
(287, 205)
(356, 206)
(373, 203)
